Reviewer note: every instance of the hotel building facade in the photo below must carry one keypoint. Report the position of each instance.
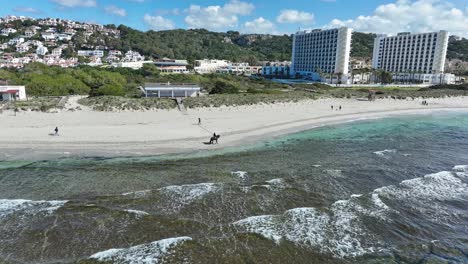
(411, 53)
(321, 51)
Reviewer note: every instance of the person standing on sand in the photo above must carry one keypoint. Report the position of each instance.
(340, 107)
(199, 121)
(56, 131)
(332, 107)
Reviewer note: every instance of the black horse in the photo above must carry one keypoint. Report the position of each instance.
(214, 139)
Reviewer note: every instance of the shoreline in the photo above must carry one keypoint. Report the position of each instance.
(88, 133)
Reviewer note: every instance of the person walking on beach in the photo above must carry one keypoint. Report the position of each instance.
(56, 131)
(332, 107)
(199, 121)
(340, 107)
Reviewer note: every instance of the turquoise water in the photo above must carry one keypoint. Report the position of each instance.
(373, 191)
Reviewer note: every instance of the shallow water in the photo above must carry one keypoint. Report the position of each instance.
(377, 191)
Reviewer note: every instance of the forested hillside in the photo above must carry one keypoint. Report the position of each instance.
(458, 49)
(200, 43)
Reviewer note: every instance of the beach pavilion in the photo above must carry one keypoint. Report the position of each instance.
(171, 90)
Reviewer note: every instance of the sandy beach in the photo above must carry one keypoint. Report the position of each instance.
(91, 133)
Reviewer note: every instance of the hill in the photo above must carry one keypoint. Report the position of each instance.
(200, 43)
(458, 49)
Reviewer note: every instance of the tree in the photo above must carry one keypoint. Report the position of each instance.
(386, 77)
(109, 89)
(221, 87)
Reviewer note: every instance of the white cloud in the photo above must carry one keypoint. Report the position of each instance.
(26, 10)
(113, 10)
(295, 16)
(75, 3)
(260, 26)
(238, 7)
(158, 22)
(412, 16)
(217, 17)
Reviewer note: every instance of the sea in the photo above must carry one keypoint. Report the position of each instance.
(391, 190)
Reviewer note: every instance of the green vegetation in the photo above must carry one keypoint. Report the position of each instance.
(362, 45)
(42, 80)
(458, 49)
(200, 44)
(42, 104)
(111, 103)
(247, 99)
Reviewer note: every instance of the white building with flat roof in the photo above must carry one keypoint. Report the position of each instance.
(171, 90)
(91, 53)
(12, 92)
(321, 51)
(411, 53)
(209, 66)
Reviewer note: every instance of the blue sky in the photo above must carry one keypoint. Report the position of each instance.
(256, 16)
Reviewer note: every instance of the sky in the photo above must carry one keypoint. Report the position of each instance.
(256, 16)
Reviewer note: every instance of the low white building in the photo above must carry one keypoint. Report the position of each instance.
(22, 48)
(115, 53)
(171, 90)
(41, 50)
(8, 31)
(57, 52)
(172, 66)
(240, 68)
(12, 92)
(15, 41)
(89, 53)
(209, 66)
(64, 37)
(130, 64)
(29, 33)
(49, 36)
(133, 56)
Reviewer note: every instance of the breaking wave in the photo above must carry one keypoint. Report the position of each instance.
(153, 252)
(340, 229)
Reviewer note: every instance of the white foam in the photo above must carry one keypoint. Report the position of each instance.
(137, 194)
(377, 201)
(141, 254)
(339, 230)
(188, 193)
(8, 206)
(242, 175)
(443, 185)
(461, 168)
(336, 232)
(385, 152)
(137, 212)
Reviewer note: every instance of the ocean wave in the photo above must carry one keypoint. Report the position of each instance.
(185, 194)
(443, 185)
(137, 194)
(385, 152)
(8, 206)
(340, 229)
(152, 253)
(242, 175)
(272, 185)
(136, 212)
(337, 231)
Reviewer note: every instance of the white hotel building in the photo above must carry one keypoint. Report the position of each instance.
(413, 56)
(321, 51)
